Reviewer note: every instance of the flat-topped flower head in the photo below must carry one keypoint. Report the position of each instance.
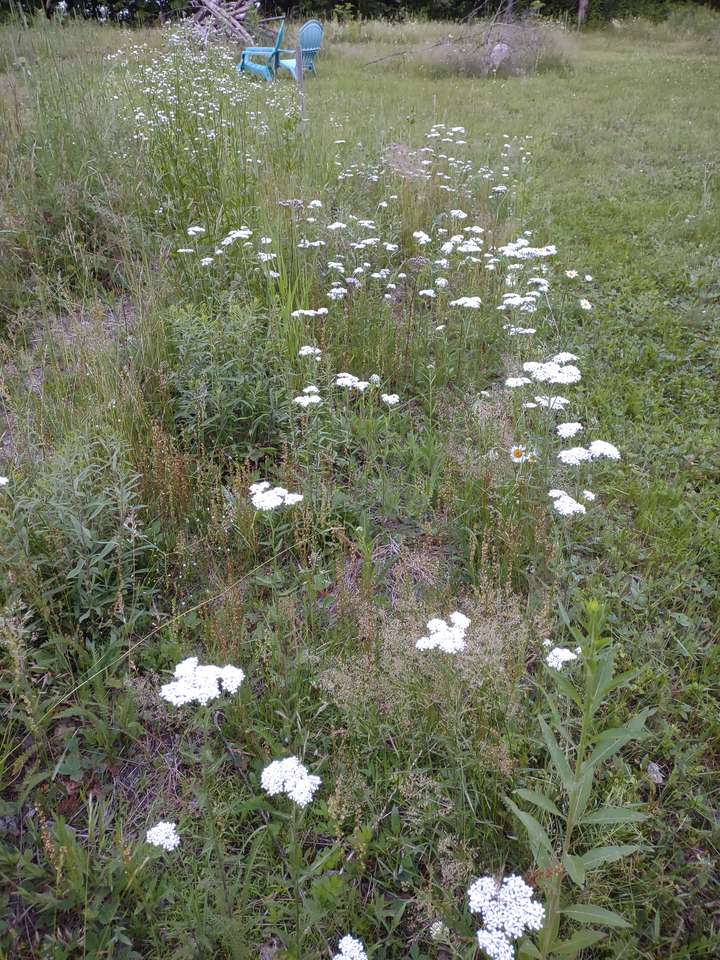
(564, 504)
(391, 399)
(197, 683)
(573, 456)
(306, 400)
(601, 448)
(446, 635)
(472, 303)
(350, 948)
(568, 430)
(266, 497)
(292, 778)
(164, 834)
(559, 656)
(507, 909)
(309, 351)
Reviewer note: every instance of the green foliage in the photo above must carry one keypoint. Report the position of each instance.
(225, 381)
(590, 743)
(75, 544)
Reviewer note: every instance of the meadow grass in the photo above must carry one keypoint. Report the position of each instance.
(143, 393)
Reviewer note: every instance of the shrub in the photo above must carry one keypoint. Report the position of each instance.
(506, 48)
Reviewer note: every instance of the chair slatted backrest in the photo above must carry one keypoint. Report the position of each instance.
(310, 36)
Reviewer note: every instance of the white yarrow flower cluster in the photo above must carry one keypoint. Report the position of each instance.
(391, 399)
(309, 397)
(164, 834)
(507, 910)
(350, 948)
(198, 683)
(308, 351)
(446, 635)
(564, 504)
(264, 497)
(290, 777)
(559, 656)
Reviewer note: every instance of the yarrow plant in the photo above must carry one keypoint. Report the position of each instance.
(164, 834)
(292, 778)
(196, 683)
(446, 635)
(266, 497)
(350, 948)
(507, 909)
(585, 743)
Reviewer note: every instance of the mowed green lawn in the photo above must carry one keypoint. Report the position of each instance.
(625, 180)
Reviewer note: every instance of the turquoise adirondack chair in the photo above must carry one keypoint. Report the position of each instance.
(268, 57)
(309, 38)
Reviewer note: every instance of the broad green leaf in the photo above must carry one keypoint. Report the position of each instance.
(566, 687)
(575, 868)
(587, 913)
(528, 949)
(539, 799)
(558, 757)
(600, 855)
(577, 942)
(535, 832)
(610, 741)
(614, 815)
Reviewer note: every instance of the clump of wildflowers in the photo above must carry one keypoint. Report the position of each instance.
(164, 834)
(197, 683)
(290, 777)
(446, 635)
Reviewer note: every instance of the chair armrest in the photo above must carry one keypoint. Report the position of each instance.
(259, 51)
(287, 53)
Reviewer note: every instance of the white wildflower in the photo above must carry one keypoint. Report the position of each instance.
(349, 948)
(495, 944)
(564, 504)
(195, 231)
(585, 304)
(573, 456)
(197, 683)
(290, 777)
(265, 498)
(517, 381)
(391, 399)
(164, 834)
(473, 303)
(567, 430)
(446, 635)
(421, 238)
(427, 293)
(439, 932)
(309, 351)
(559, 656)
(441, 283)
(601, 448)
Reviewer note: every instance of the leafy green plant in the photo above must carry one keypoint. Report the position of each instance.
(578, 740)
(74, 543)
(225, 381)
